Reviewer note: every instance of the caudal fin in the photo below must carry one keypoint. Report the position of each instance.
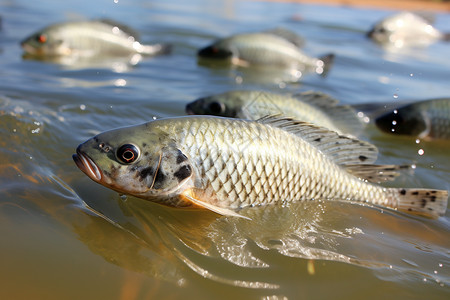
(156, 49)
(446, 37)
(327, 61)
(425, 202)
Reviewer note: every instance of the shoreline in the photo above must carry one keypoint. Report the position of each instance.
(413, 5)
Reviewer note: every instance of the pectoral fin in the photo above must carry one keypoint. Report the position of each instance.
(209, 206)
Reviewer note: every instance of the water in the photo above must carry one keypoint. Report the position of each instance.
(65, 237)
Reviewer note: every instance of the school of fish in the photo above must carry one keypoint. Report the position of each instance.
(254, 147)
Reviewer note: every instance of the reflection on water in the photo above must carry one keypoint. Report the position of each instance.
(65, 237)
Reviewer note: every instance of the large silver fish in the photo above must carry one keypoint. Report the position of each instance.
(429, 119)
(265, 49)
(87, 39)
(406, 29)
(226, 164)
(313, 107)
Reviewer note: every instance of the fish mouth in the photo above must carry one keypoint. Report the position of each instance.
(87, 166)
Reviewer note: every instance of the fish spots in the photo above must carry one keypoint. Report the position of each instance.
(146, 172)
(362, 158)
(318, 139)
(159, 180)
(183, 172)
(415, 193)
(424, 202)
(181, 157)
(403, 192)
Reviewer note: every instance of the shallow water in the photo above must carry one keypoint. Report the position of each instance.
(66, 237)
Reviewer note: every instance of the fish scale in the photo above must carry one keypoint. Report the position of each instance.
(263, 184)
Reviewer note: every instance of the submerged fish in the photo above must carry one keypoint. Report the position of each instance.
(265, 49)
(87, 39)
(313, 107)
(428, 119)
(406, 29)
(227, 164)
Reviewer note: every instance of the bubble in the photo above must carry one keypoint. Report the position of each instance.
(417, 141)
(394, 122)
(83, 107)
(116, 1)
(395, 96)
(395, 111)
(421, 152)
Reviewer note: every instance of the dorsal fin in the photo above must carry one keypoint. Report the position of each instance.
(343, 150)
(376, 173)
(126, 29)
(428, 16)
(287, 35)
(344, 117)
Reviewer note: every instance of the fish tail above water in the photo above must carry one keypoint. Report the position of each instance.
(446, 37)
(327, 61)
(425, 202)
(155, 49)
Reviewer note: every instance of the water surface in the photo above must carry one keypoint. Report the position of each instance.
(66, 237)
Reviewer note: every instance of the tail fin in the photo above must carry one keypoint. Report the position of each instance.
(156, 49)
(327, 63)
(446, 37)
(425, 202)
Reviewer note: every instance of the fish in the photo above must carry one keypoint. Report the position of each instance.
(427, 119)
(406, 29)
(225, 164)
(268, 49)
(311, 106)
(88, 39)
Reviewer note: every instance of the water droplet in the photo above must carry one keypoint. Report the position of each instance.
(394, 122)
(120, 82)
(411, 75)
(421, 151)
(395, 111)
(435, 272)
(418, 141)
(82, 107)
(424, 280)
(395, 96)
(116, 1)
(440, 265)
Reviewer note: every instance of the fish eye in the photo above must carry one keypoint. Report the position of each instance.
(216, 108)
(127, 153)
(42, 38)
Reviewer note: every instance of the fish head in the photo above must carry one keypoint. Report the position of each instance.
(44, 43)
(224, 105)
(217, 51)
(404, 121)
(135, 160)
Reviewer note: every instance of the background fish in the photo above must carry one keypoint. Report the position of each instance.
(424, 119)
(227, 164)
(265, 49)
(406, 29)
(313, 107)
(88, 38)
